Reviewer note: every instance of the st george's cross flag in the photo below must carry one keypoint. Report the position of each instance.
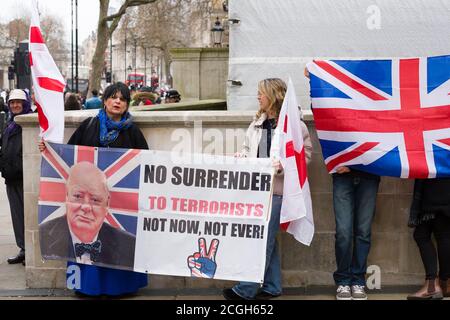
(48, 84)
(296, 212)
(388, 117)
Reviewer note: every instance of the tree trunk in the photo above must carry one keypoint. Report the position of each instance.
(95, 77)
(103, 34)
(98, 60)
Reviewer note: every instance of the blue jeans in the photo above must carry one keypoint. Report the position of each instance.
(354, 201)
(272, 274)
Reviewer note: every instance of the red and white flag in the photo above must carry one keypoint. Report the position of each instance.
(48, 84)
(296, 211)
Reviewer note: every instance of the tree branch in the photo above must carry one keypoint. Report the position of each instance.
(127, 4)
(6, 37)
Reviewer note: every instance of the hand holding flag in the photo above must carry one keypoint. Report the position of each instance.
(296, 210)
(48, 84)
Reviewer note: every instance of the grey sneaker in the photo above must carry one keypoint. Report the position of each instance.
(358, 293)
(343, 293)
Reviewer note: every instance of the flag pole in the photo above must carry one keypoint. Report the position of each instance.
(71, 48)
(76, 45)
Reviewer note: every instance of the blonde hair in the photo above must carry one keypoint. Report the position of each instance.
(275, 90)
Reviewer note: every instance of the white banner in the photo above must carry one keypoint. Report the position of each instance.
(203, 220)
(153, 212)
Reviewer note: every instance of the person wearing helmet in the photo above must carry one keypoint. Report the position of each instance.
(11, 167)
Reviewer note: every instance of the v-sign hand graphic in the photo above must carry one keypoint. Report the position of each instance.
(203, 263)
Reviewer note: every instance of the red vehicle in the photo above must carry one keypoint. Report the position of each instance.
(135, 79)
(154, 81)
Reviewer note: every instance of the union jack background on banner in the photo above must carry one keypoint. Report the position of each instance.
(387, 117)
(122, 170)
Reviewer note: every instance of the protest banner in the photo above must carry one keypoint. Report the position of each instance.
(149, 212)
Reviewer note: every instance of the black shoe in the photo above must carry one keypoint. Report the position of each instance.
(262, 295)
(23, 263)
(229, 294)
(85, 296)
(122, 296)
(17, 259)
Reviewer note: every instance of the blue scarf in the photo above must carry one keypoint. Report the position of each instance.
(109, 130)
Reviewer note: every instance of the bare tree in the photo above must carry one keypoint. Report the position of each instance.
(172, 23)
(53, 33)
(7, 45)
(12, 33)
(103, 34)
(18, 30)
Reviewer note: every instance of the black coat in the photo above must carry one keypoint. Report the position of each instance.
(117, 245)
(88, 134)
(11, 157)
(431, 197)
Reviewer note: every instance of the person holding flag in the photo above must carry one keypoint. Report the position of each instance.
(354, 200)
(112, 127)
(48, 84)
(262, 142)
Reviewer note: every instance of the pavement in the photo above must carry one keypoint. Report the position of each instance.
(13, 286)
(12, 277)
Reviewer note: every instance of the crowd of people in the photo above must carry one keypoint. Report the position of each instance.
(354, 196)
(141, 96)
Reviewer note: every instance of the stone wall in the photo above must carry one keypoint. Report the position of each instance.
(200, 73)
(393, 248)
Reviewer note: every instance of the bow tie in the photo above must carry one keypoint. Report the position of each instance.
(93, 249)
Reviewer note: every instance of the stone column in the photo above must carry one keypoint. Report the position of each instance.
(200, 73)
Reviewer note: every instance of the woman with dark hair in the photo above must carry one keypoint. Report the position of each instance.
(11, 167)
(113, 127)
(72, 102)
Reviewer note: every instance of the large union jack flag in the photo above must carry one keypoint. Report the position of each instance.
(122, 170)
(388, 117)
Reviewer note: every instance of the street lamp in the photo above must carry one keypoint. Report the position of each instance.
(217, 33)
(111, 10)
(125, 68)
(129, 71)
(135, 55)
(76, 46)
(71, 48)
(225, 5)
(110, 49)
(145, 65)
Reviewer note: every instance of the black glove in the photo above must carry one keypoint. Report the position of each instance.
(2, 163)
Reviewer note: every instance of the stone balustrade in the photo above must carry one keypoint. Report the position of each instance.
(393, 249)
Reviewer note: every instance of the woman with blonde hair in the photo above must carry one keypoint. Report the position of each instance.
(258, 144)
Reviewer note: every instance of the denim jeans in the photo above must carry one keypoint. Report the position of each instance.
(272, 274)
(354, 208)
